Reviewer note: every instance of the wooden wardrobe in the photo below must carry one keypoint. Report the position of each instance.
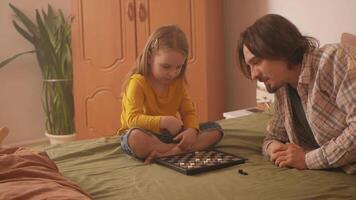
(108, 35)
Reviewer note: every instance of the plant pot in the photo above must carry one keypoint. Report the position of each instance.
(60, 139)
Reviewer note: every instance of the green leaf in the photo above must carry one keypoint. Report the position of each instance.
(51, 13)
(62, 18)
(25, 20)
(25, 34)
(50, 19)
(48, 52)
(5, 62)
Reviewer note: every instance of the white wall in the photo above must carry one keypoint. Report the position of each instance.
(322, 19)
(21, 81)
(238, 14)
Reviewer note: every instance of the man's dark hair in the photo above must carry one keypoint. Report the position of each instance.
(276, 38)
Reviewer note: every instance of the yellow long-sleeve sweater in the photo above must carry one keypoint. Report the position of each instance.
(143, 108)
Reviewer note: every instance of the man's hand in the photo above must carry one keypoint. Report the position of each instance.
(172, 124)
(273, 147)
(187, 139)
(288, 155)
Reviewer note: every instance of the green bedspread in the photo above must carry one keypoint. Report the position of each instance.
(103, 170)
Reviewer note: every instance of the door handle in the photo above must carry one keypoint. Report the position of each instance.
(131, 11)
(142, 12)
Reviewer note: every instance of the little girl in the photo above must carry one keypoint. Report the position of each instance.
(158, 117)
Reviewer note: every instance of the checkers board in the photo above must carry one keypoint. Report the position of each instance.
(200, 161)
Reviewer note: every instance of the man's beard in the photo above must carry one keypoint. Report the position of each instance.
(271, 89)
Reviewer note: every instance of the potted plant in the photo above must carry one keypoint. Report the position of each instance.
(51, 38)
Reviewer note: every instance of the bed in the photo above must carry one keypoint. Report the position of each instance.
(105, 172)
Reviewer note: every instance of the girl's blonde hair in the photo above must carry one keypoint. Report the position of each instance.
(165, 37)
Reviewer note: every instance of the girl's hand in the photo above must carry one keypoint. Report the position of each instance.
(172, 124)
(187, 139)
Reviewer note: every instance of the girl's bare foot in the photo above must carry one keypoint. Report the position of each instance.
(174, 151)
(152, 156)
(155, 154)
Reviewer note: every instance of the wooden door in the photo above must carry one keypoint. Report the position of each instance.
(104, 49)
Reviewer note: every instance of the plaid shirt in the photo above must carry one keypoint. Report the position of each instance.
(327, 89)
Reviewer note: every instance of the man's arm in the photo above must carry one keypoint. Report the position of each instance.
(276, 133)
(277, 147)
(340, 150)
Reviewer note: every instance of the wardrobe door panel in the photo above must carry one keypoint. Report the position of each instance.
(104, 50)
(151, 14)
